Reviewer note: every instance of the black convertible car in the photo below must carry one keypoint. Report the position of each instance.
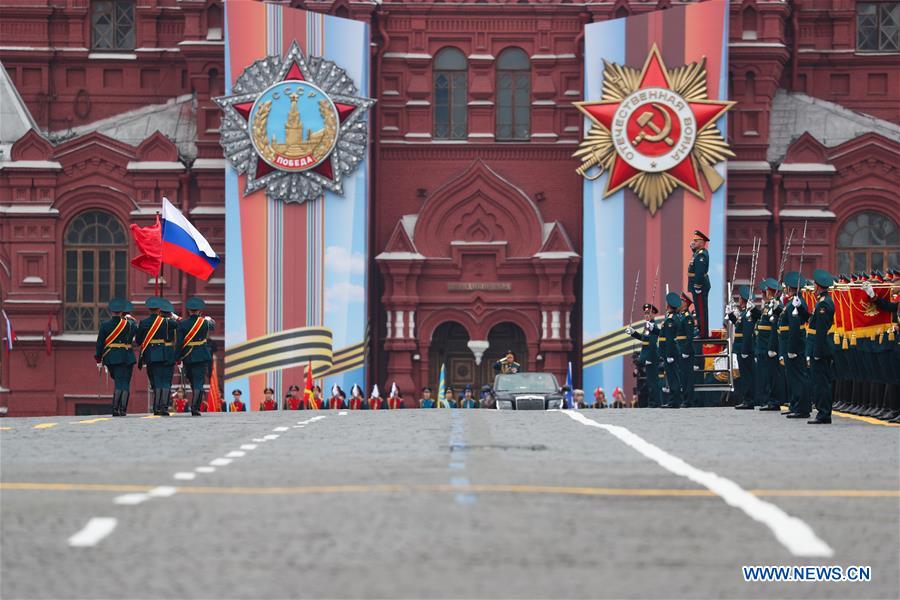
(527, 391)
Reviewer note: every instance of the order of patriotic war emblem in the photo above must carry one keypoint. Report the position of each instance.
(654, 130)
(294, 126)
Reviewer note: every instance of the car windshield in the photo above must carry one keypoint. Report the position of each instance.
(544, 383)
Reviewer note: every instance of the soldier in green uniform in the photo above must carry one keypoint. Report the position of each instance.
(819, 351)
(698, 280)
(168, 367)
(649, 355)
(671, 352)
(156, 341)
(687, 358)
(791, 345)
(766, 361)
(744, 316)
(114, 350)
(194, 352)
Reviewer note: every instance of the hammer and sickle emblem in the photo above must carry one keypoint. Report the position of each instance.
(646, 120)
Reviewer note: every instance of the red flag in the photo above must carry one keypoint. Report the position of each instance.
(149, 244)
(310, 393)
(48, 335)
(215, 397)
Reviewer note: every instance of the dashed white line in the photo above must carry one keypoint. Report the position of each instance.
(281, 429)
(248, 446)
(220, 462)
(95, 530)
(793, 533)
(185, 475)
(259, 440)
(236, 454)
(163, 491)
(205, 469)
(130, 499)
(271, 436)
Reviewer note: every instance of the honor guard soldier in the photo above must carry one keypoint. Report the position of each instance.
(356, 402)
(671, 352)
(649, 355)
(268, 402)
(337, 398)
(468, 400)
(744, 317)
(698, 280)
(791, 346)
(426, 401)
(168, 367)
(685, 340)
(449, 400)
(194, 353)
(766, 360)
(507, 364)
(395, 399)
(818, 350)
(236, 404)
(114, 350)
(375, 400)
(156, 340)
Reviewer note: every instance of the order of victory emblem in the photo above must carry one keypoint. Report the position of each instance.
(295, 126)
(654, 130)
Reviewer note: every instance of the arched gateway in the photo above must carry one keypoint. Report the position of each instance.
(475, 273)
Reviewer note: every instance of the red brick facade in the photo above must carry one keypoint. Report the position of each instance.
(454, 222)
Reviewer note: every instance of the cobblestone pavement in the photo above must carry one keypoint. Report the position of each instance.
(444, 503)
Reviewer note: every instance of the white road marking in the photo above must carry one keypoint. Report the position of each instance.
(271, 436)
(95, 530)
(281, 429)
(163, 491)
(220, 462)
(236, 454)
(248, 446)
(259, 440)
(205, 469)
(185, 475)
(793, 533)
(342, 413)
(130, 499)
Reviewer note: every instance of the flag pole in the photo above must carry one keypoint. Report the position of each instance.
(159, 273)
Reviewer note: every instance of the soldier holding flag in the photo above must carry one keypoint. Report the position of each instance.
(156, 339)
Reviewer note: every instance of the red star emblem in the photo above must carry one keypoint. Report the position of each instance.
(294, 74)
(654, 131)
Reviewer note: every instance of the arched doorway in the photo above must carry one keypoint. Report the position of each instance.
(449, 346)
(503, 337)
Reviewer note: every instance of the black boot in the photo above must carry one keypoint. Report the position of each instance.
(164, 402)
(115, 403)
(195, 404)
(123, 403)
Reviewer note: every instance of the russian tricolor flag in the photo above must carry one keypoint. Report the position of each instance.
(183, 247)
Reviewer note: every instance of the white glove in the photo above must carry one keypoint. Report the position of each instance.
(791, 355)
(807, 361)
(99, 366)
(647, 362)
(771, 354)
(629, 330)
(745, 355)
(737, 313)
(867, 286)
(670, 360)
(796, 301)
(684, 356)
(650, 325)
(818, 358)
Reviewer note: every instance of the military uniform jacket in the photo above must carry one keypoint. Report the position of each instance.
(744, 327)
(685, 336)
(775, 317)
(193, 340)
(114, 342)
(820, 322)
(649, 339)
(160, 348)
(791, 335)
(764, 330)
(668, 345)
(698, 269)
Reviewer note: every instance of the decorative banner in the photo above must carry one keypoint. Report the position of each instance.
(653, 162)
(295, 134)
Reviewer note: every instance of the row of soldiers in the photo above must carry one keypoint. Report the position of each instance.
(163, 341)
(787, 352)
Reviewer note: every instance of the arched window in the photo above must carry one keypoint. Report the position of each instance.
(868, 240)
(96, 250)
(214, 22)
(451, 92)
(513, 95)
(749, 23)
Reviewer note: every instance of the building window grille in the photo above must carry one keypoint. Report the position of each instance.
(451, 92)
(878, 26)
(112, 24)
(867, 241)
(513, 95)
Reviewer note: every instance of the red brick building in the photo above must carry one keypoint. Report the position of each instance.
(476, 222)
